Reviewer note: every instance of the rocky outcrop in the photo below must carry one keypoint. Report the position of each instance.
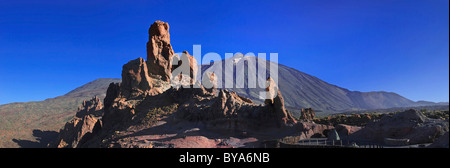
(307, 114)
(85, 123)
(159, 51)
(186, 68)
(135, 80)
(275, 100)
(91, 107)
(410, 124)
(143, 101)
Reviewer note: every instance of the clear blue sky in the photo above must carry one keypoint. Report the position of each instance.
(402, 46)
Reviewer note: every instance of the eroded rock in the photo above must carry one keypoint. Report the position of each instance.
(159, 51)
(85, 122)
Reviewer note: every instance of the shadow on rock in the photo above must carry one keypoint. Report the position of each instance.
(42, 139)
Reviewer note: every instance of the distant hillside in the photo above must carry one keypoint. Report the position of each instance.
(20, 122)
(398, 109)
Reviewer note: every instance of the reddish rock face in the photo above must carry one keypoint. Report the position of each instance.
(92, 106)
(159, 51)
(135, 79)
(141, 101)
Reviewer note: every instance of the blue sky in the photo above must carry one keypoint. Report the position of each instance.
(49, 48)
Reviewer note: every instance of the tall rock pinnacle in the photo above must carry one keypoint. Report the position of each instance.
(275, 100)
(159, 51)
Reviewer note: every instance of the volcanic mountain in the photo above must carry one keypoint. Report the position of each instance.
(305, 91)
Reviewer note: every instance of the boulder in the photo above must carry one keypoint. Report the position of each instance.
(91, 107)
(277, 103)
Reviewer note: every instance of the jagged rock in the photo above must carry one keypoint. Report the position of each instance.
(121, 98)
(410, 124)
(135, 79)
(271, 91)
(83, 124)
(277, 103)
(185, 70)
(159, 51)
(307, 114)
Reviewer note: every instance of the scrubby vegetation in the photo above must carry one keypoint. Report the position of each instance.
(363, 119)
(155, 114)
(436, 114)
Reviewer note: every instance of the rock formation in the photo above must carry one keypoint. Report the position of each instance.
(82, 126)
(135, 79)
(144, 106)
(186, 67)
(277, 103)
(159, 51)
(209, 80)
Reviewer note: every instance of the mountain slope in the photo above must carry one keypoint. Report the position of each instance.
(19, 122)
